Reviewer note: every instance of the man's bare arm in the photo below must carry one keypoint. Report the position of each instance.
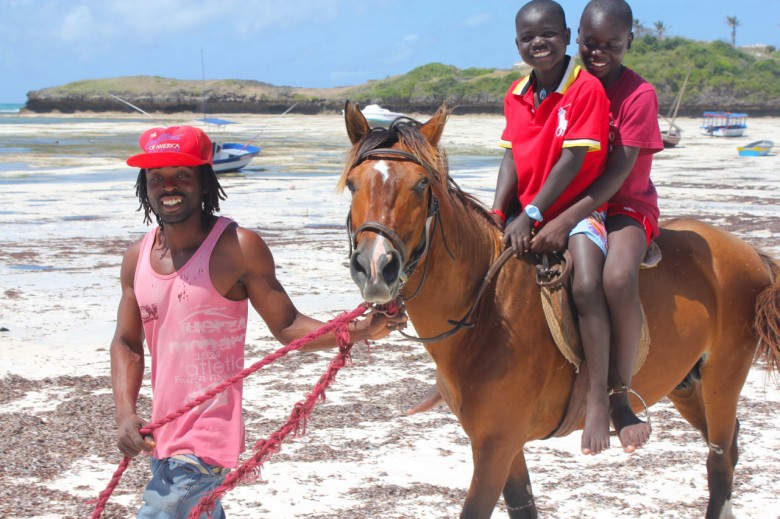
(286, 323)
(127, 361)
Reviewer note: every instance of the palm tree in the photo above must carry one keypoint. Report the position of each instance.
(660, 29)
(732, 22)
(639, 28)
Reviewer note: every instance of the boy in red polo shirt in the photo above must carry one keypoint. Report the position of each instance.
(632, 218)
(556, 135)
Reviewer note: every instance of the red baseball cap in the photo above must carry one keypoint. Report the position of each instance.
(172, 146)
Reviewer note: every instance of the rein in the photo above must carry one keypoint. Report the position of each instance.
(463, 322)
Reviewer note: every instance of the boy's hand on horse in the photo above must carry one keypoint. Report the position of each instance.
(517, 234)
(553, 237)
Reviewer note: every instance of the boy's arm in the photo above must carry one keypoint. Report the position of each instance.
(518, 233)
(555, 235)
(561, 175)
(506, 188)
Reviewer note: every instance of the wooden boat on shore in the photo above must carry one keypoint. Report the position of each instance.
(756, 148)
(723, 124)
(671, 136)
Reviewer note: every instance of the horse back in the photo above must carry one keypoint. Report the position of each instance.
(700, 302)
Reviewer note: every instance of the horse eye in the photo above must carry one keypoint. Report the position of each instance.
(351, 186)
(421, 186)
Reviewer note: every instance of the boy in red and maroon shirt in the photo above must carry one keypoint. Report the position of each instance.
(632, 219)
(557, 130)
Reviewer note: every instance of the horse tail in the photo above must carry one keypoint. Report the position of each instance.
(767, 321)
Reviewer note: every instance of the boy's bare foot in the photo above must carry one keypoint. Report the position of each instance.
(595, 435)
(431, 399)
(632, 431)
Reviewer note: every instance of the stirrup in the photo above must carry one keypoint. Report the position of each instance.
(627, 389)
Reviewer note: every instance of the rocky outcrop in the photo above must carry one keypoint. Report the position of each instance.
(43, 101)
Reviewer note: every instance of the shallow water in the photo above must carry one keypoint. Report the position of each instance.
(68, 206)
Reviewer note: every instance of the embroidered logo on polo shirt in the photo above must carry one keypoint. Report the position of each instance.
(562, 122)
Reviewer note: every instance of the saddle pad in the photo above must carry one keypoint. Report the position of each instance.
(562, 321)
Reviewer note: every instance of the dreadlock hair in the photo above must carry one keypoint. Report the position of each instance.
(212, 194)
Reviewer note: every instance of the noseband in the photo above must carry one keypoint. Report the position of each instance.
(422, 248)
(433, 216)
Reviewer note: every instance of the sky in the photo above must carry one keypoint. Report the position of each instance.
(302, 43)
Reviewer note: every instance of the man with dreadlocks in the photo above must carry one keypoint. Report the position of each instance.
(186, 286)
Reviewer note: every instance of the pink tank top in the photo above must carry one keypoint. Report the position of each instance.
(196, 339)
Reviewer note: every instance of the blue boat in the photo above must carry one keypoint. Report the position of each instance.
(756, 149)
(230, 156)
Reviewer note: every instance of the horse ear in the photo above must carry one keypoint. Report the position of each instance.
(435, 125)
(357, 126)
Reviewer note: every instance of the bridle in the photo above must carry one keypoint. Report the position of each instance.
(432, 218)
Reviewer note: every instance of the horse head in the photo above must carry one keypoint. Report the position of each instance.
(393, 174)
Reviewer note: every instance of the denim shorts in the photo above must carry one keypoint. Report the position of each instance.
(177, 486)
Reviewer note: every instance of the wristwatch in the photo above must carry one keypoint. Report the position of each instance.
(533, 213)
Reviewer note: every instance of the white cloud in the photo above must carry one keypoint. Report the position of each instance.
(477, 20)
(75, 24)
(404, 49)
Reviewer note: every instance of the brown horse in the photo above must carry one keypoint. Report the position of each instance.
(416, 235)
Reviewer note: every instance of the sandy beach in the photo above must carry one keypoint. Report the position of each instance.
(68, 211)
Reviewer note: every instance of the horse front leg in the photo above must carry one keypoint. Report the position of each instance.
(518, 495)
(492, 461)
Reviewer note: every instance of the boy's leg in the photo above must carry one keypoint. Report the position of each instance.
(593, 317)
(177, 487)
(627, 246)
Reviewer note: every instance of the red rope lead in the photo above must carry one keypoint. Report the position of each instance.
(264, 448)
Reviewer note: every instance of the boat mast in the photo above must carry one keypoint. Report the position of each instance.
(679, 99)
(203, 83)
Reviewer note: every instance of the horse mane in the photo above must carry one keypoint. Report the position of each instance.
(405, 132)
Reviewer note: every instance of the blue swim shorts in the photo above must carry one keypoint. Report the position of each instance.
(593, 227)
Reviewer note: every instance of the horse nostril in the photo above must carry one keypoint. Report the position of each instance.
(391, 269)
(358, 268)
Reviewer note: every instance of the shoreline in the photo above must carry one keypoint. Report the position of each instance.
(361, 457)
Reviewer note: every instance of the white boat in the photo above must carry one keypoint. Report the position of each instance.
(723, 124)
(232, 156)
(229, 156)
(378, 116)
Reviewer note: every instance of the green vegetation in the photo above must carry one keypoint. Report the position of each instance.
(434, 82)
(722, 78)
